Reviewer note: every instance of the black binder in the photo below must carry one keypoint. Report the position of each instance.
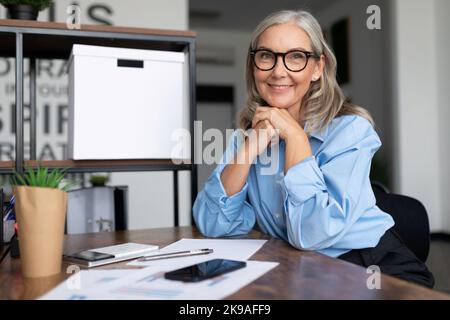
(120, 207)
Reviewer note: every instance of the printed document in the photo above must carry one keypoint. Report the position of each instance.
(150, 284)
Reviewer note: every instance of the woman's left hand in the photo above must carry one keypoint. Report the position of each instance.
(297, 144)
(288, 128)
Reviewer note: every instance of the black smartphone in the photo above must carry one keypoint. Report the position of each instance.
(90, 255)
(204, 270)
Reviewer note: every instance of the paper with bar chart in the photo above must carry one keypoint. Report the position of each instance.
(149, 282)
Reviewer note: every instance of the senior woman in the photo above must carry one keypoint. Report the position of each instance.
(319, 195)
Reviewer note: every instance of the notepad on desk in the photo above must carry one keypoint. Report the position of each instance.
(111, 254)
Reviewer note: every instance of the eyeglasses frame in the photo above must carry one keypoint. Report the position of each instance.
(308, 54)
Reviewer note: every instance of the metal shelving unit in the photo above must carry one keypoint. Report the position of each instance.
(47, 40)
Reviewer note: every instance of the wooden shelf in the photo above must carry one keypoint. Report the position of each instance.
(75, 166)
(50, 40)
(91, 27)
(112, 165)
(7, 166)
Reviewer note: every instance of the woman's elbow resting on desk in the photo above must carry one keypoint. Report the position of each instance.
(216, 229)
(317, 223)
(212, 221)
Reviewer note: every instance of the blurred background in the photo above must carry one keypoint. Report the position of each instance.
(392, 59)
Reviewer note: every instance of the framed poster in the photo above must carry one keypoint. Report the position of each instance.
(339, 35)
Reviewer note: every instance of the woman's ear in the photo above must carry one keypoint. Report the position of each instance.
(318, 69)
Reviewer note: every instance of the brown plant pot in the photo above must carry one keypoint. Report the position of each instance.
(41, 216)
(22, 12)
(34, 288)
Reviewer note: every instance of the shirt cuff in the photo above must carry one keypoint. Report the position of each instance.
(217, 191)
(303, 181)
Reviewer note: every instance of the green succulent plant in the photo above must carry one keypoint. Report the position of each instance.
(98, 180)
(38, 4)
(42, 177)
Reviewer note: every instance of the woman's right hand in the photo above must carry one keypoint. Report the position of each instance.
(235, 174)
(260, 137)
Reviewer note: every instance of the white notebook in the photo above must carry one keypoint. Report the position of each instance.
(111, 254)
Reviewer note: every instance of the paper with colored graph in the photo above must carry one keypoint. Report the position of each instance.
(150, 284)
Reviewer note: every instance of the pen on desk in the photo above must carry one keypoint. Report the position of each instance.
(176, 254)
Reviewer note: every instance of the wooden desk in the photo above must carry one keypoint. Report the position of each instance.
(300, 275)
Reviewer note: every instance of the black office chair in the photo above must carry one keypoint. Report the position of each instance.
(410, 216)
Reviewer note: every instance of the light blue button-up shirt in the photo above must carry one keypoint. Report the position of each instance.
(323, 203)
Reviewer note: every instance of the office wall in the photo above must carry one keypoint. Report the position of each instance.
(221, 57)
(422, 100)
(150, 193)
(233, 42)
(368, 85)
(443, 84)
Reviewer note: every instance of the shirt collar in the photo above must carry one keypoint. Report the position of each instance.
(320, 134)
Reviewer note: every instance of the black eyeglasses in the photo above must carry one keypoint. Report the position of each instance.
(294, 60)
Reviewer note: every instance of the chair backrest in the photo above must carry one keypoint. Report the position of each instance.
(411, 220)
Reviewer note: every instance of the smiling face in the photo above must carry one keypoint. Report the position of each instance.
(280, 87)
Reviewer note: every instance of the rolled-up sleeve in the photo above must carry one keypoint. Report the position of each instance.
(322, 202)
(215, 213)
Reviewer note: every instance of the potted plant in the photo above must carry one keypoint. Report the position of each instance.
(98, 180)
(25, 9)
(41, 204)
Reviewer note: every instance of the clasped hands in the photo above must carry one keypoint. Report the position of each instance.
(270, 122)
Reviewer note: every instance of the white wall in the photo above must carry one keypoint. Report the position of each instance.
(237, 44)
(231, 48)
(132, 13)
(367, 86)
(422, 100)
(443, 84)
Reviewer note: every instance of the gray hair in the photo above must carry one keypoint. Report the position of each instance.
(324, 99)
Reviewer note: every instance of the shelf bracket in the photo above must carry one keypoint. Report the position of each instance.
(33, 109)
(19, 103)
